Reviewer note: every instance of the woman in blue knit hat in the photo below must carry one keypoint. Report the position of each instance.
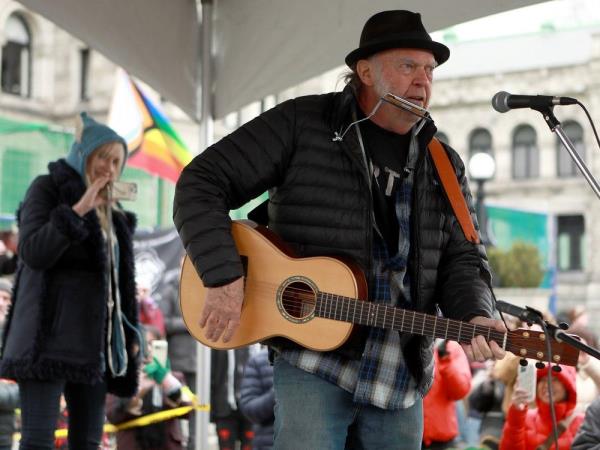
(72, 327)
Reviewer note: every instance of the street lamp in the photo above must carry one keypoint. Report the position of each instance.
(481, 169)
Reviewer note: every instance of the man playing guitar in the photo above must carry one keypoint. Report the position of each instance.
(349, 176)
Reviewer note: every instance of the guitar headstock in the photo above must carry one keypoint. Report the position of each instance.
(532, 344)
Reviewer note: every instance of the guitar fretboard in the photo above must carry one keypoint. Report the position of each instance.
(345, 309)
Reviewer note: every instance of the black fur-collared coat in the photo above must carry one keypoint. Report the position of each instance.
(57, 325)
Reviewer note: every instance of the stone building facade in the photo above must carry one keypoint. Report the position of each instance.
(58, 75)
(533, 170)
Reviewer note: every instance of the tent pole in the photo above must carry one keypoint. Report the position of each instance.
(205, 97)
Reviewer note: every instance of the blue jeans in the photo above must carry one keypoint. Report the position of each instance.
(313, 413)
(40, 407)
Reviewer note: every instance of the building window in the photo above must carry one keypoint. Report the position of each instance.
(480, 141)
(84, 56)
(442, 137)
(16, 58)
(570, 243)
(565, 165)
(525, 154)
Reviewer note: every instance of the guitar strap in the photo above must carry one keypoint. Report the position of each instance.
(447, 176)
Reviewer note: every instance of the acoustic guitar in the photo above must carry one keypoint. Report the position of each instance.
(316, 301)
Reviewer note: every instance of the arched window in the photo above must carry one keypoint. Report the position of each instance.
(565, 165)
(571, 248)
(16, 57)
(443, 137)
(480, 141)
(525, 153)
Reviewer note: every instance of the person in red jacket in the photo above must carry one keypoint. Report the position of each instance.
(148, 310)
(451, 382)
(531, 428)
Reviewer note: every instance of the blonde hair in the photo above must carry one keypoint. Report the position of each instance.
(104, 149)
(102, 211)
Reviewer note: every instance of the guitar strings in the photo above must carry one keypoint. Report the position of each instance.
(306, 298)
(309, 295)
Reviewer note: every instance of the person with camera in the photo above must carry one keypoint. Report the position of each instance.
(72, 327)
(159, 390)
(531, 428)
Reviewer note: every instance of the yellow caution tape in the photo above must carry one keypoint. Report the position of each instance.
(159, 416)
(187, 392)
(143, 421)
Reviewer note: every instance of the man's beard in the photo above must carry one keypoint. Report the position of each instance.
(381, 88)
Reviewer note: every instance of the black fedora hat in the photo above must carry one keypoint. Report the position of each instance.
(395, 29)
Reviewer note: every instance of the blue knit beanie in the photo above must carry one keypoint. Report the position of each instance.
(88, 138)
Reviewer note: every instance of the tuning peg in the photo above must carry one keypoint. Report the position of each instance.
(540, 365)
(523, 362)
(556, 368)
(563, 326)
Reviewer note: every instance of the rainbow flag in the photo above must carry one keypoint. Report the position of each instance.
(153, 144)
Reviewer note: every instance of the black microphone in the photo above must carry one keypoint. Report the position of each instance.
(503, 101)
(525, 314)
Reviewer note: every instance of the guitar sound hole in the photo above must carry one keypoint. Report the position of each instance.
(298, 300)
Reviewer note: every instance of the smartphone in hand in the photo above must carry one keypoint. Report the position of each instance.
(527, 380)
(122, 190)
(160, 350)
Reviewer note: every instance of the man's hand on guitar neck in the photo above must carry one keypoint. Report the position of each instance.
(479, 349)
(222, 310)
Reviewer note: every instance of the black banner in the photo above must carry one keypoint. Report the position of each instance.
(158, 256)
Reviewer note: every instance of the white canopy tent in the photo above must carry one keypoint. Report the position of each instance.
(259, 47)
(248, 50)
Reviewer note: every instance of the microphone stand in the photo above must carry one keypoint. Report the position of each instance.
(551, 330)
(556, 128)
(562, 335)
(558, 332)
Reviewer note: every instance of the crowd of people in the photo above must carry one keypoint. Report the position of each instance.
(502, 414)
(470, 405)
(87, 342)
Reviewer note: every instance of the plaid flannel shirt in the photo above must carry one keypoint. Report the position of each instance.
(380, 377)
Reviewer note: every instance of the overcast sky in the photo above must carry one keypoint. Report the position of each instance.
(561, 13)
